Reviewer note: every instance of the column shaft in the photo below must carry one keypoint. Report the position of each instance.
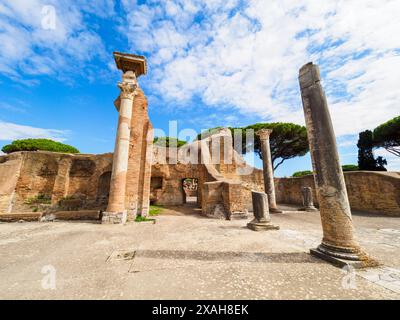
(120, 160)
(268, 170)
(338, 233)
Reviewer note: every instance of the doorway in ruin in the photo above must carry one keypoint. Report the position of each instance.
(103, 189)
(190, 187)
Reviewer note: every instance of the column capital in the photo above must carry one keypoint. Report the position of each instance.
(264, 133)
(128, 90)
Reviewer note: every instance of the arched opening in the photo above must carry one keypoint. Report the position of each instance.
(190, 187)
(103, 189)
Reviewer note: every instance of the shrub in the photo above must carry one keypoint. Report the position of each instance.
(38, 144)
(168, 141)
(350, 167)
(143, 219)
(39, 199)
(302, 173)
(346, 168)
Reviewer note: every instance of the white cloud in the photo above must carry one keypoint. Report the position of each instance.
(28, 49)
(248, 56)
(11, 131)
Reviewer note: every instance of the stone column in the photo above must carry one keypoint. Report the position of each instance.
(116, 210)
(339, 245)
(262, 219)
(308, 203)
(268, 169)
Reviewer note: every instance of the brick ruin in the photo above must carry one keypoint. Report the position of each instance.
(123, 184)
(82, 182)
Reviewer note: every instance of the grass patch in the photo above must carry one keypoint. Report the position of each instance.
(39, 199)
(155, 210)
(143, 219)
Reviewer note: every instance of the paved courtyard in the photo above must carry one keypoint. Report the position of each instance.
(186, 256)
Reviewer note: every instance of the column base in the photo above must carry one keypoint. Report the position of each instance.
(309, 209)
(256, 225)
(342, 257)
(275, 210)
(114, 217)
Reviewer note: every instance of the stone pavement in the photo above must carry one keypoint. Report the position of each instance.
(186, 256)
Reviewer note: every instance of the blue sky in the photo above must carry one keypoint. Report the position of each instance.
(211, 63)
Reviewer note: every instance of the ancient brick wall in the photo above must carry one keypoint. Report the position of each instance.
(9, 172)
(140, 154)
(375, 192)
(53, 177)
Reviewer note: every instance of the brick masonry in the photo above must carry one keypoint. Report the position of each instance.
(81, 182)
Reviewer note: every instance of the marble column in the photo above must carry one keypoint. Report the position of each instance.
(116, 210)
(262, 219)
(268, 170)
(308, 203)
(339, 245)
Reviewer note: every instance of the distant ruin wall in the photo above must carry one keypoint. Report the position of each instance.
(9, 172)
(82, 182)
(374, 192)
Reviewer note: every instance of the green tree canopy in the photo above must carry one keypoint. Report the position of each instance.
(387, 136)
(366, 159)
(350, 167)
(38, 144)
(287, 141)
(168, 141)
(299, 174)
(209, 132)
(346, 168)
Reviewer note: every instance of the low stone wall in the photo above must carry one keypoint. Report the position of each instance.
(374, 192)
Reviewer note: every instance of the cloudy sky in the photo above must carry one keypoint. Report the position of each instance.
(211, 63)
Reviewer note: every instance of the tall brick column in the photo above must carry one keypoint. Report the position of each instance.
(116, 210)
(339, 245)
(268, 170)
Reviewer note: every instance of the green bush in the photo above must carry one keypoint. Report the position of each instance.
(38, 144)
(39, 199)
(301, 174)
(168, 141)
(350, 167)
(143, 219)
(346, 168)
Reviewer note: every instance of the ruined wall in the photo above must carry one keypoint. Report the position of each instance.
(167, 182)
(9, 172)
(34, 180)
(375, 192)
(75, 182)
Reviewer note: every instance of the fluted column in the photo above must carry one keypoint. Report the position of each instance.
(339, 245)
(268, 170)
(116, 210)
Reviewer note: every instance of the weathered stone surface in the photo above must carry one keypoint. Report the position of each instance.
(373, 192)
(133, 150)
(262, 218)
(338, 240)
(114, 217)
(268, 171)
(308, 203)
